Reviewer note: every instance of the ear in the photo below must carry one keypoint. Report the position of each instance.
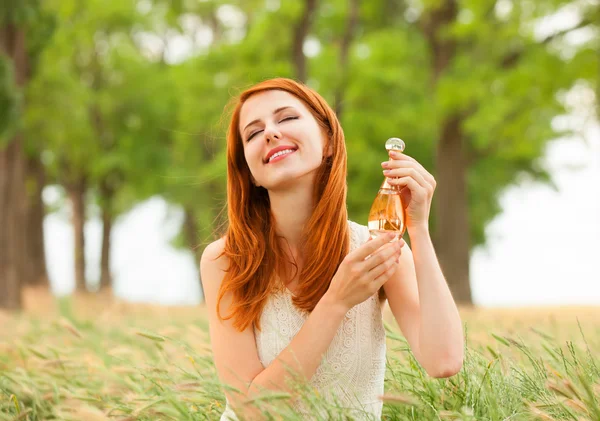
(329, 151)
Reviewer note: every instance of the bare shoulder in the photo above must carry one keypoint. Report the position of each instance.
(212, 258)
(213, 250)
(213, 265)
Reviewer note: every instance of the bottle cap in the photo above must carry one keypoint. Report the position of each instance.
(395, 143)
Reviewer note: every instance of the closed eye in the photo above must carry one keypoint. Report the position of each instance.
(253, 134)
(281, 121)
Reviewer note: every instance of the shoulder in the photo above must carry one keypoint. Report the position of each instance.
(213, 250)
(212, 260)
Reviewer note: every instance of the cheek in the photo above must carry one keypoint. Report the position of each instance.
(310, 136)
(252, 156)
(320, 142)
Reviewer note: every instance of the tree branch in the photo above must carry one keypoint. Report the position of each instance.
(347, 38)
(300, 33)
(512, 58)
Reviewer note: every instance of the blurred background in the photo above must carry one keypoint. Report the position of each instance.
(112, 134)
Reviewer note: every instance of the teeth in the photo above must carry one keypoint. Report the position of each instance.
(284, 152)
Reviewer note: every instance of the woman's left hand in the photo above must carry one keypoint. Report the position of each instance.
(416, 184)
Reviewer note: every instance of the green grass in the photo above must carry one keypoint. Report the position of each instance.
(119, 362)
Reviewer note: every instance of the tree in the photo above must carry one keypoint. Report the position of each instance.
(26, 29)
(13, 50)
(106, 143)
(469, 87)
(426, 72)
(120, 115)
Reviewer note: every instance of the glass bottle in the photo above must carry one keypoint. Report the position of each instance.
(387, 212)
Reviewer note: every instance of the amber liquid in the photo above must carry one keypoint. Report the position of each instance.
(387, 214)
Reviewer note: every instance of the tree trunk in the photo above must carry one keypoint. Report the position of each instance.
(300, 33)
(37, 274)
(351, 25)
(12, 224)
(190, 227)
(107, 222)
(452, 236)
(12, 184)
(105, 275)
(190, 231)
(76, 191)
(452, 210)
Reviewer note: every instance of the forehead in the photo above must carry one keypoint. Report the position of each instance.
(263, 104)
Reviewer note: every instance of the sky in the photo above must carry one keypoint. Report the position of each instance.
(543, 249)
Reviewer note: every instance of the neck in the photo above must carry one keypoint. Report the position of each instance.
(291, 211)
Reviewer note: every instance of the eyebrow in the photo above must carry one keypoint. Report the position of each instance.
(274, 112)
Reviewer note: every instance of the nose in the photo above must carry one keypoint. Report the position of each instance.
(271, 132)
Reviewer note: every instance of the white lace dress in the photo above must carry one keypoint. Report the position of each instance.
(353, 367)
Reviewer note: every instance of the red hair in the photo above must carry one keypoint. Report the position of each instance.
(255, 256)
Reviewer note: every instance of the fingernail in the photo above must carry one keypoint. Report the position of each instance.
(394, 154)
(385, 172)
(385, 164)
(390, 235)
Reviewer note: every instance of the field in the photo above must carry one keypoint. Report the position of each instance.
(97, 358)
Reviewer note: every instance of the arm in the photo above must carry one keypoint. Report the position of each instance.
(305, 351)
(423, 306)
(418, 293)
(303, 355)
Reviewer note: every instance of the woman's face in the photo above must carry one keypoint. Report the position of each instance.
(276, 120)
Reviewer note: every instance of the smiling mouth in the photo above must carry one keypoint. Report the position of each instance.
(279, 157)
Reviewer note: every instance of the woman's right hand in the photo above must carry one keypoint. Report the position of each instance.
(364, 270)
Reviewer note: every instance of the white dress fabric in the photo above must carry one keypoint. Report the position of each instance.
(353, 368)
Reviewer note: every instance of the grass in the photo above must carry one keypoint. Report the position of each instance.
(96, 358)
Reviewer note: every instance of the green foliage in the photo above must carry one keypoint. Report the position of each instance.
(37, 26)
(9, 101)
(19, 12)
(112, 99)
(98, 107)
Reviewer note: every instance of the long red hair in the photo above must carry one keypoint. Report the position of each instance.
(255, 256)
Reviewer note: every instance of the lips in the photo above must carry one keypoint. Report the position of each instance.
(276, 158)
(277, 149)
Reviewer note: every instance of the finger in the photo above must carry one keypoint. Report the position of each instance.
(393, 166)
(408, 172)
(385, 275)
(402, 243)
(369, 247)
(416, 190)
(404, 159)
(387, 267)
(384, 253)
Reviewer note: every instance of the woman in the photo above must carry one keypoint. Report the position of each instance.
(292, 287)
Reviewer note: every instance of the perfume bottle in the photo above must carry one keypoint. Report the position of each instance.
(387, 212)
